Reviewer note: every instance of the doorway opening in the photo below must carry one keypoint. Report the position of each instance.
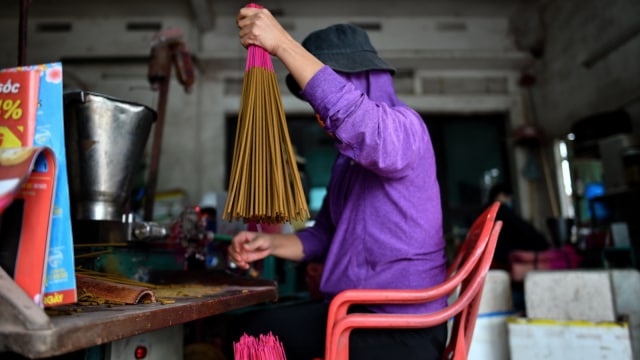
(471, 155)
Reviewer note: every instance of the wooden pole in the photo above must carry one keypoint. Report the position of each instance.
(161, 57)
(22, 32)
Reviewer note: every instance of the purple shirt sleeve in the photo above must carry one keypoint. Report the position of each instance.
(366, 130)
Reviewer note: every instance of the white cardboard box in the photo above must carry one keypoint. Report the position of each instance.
(490, 340)
(568, 340)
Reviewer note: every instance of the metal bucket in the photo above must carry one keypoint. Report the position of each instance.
(105, 139)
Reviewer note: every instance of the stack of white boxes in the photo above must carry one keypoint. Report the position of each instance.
(578, 314)
(490, 340)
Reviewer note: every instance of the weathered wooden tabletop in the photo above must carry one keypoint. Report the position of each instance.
(28, 330)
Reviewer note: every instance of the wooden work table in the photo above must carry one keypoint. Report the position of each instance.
(28, 330)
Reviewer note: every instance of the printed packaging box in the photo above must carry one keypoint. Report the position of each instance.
(27, 186)
(60, 281)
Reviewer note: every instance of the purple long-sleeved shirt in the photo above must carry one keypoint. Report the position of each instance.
(380, 225)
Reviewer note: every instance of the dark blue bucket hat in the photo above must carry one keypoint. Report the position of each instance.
(343, 47)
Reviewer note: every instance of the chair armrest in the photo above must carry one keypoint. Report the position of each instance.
(340, 304)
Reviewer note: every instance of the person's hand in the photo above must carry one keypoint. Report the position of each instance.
(247, 247)
(259, 27)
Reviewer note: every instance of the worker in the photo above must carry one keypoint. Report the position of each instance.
(517, 233)
(380, 224)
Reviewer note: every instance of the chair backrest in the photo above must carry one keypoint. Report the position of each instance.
(473, 262)
(477, 237)
(466, 273)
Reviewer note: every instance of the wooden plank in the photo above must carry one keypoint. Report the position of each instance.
(78, 327)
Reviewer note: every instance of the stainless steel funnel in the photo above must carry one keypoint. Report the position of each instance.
(105, 139)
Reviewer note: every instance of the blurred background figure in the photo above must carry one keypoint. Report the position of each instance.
(517, 233)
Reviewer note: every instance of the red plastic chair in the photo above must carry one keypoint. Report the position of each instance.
(467, 273)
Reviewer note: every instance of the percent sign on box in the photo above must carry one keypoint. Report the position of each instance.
(11, 109)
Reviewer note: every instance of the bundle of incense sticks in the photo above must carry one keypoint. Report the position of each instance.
(264, 347)
(264, 183)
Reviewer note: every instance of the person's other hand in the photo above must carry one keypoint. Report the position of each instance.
(259, 27)
(247, 247)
